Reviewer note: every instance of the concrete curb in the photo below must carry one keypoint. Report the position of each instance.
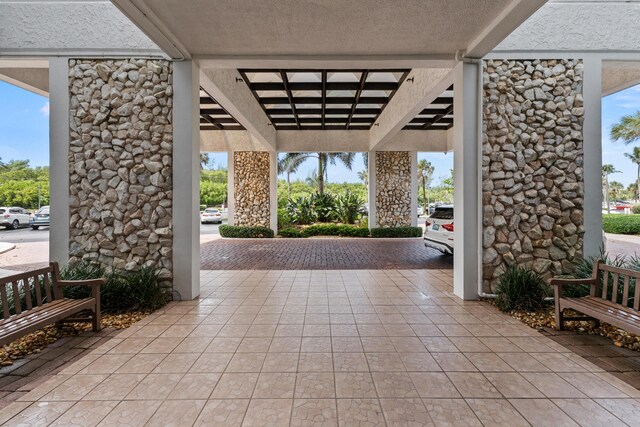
(6, 247)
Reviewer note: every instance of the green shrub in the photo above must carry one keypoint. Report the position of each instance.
(139, 290)
(301, 211)
(290, 232)
(324, 206)
(635, 209)
(621, 223)
(396, 232)
(284, 220)
(341, 230)
(348, 208)
(244, 232)
(521, 289)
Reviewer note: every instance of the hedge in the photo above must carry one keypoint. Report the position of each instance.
(289, 232)
(621, 223)
(341, 230)
(238, 231)
(397, 232)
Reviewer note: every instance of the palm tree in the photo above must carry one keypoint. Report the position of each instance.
(425, 173)
(204, 160)
(627, 129)
(290, 164)
(363, 176)
(606, 171)
(324, 159)
(635, 158)
(615, 188)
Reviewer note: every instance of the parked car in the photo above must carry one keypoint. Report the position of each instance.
(438, 233)
(40, 218)
(211, 215)
(13, 217)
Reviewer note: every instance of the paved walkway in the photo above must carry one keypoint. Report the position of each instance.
(621, 244)
(384, 347)
(320, 254)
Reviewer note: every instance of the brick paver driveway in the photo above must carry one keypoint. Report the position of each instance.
(320, 254)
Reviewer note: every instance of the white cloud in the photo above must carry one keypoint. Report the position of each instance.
(45, 109)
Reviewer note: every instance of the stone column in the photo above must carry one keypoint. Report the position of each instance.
(371, 173)
(59, 158)
(253, 174)
(414, 188)
(186, 179)
(533, 171)
(394, 182)
(466, 180)
(592, 147)
(121, 160)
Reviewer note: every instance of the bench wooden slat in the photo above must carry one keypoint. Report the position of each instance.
(636, 296)
(611, 309)
(605, 284)
(52, 306)
(17, 304)
(619, 270)
(37, 284)
(27, 294)
(5, 301)
(44, 314)
(46, 287)
(625, 291)
(614, 294)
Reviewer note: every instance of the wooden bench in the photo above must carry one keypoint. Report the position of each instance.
(608, 300)
(40, 302)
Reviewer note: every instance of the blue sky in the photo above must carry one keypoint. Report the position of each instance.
(24, 134)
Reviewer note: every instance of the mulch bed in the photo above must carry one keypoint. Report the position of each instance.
(546, 318)
(36, 341)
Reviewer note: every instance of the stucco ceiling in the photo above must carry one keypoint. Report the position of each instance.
(326, 27)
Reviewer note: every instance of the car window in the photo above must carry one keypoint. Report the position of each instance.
(15, 211)
(44, 211)
(442, 213)
(211, 210)
(1, 211)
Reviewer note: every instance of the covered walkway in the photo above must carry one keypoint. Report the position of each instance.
(385, 347)
(321, 254)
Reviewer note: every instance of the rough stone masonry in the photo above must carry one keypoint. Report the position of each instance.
(393, 188)
(532, 166)
(251, 171)
(120, 163)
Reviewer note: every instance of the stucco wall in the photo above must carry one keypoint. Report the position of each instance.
(120, 163)
(251, 192)
(73, 27)
(532, 174)
(578, 25)
(393, 188)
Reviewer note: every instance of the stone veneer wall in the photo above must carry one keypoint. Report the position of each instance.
(393, 188)
(251, 170)
(532, 166)
(120, 163)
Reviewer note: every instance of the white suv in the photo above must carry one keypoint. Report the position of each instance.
(13, 217)
(438, 233)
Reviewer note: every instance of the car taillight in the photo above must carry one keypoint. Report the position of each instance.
(7, 215)
(427, 223)
(448, 227)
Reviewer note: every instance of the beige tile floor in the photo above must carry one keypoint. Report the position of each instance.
(346, 348)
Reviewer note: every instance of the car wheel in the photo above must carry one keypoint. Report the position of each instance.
(35, 227)
(16, 224)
